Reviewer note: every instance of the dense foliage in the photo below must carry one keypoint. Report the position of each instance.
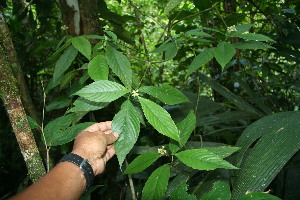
(205, 94)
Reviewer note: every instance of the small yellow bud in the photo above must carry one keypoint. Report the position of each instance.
(162, 150)
(135, 93)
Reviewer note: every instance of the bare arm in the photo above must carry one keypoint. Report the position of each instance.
(66, 180)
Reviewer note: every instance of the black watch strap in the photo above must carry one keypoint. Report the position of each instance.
(84, 165)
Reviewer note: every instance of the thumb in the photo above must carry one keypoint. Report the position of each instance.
(111, 138)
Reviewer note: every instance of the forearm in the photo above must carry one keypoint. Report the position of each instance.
(65, 181)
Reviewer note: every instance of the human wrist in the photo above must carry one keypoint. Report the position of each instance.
(91, 159)
(83, 165)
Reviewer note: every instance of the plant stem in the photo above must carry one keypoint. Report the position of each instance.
(42, 129)
(131, 184)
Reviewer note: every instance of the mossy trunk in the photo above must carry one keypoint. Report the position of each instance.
(9, 93)
(12, 57)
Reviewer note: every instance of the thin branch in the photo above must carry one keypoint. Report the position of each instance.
(194, 15)
(131, 184)
(42, 129)
(25, 7)
(221, 17)
(258, 8)
(142, 38)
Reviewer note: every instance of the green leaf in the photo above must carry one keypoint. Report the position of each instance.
(198, 33)
(126, 122)
(171, 5)
(165, 93)
(243, 28)
(83, 105)
(220, 190)
(205, 28)
(33, 124)
(84, 78)
(174, 146)
(67, 78)
(255, 36)
(240, 29)
(224, 53)
(102, 91)
(204, 108)
(181, 193)
(119, 65)
(203, 58)
(142, 162)
(226, 117)
(203, 159)
(156, 184)
(64, 62)
(186, 127)
(159, 118)
(98, 68)
(83, 46)
(259, 196)
(68, 135)
(211, 178)
(169, 48)
(289, 10)
(258, 99)
(94, 37)
(180, 179)
(252, 45)
(277, 139)
(222, 151)
(59, 49)
(235, 99)
(87, 195)
(60, 102)
(163, 47)
(171, 51)
(54, 128)
(112, 35)
(201, 40)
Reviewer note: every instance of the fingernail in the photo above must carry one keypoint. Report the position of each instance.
(116, 134)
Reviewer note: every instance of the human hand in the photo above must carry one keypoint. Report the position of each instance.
(95, 143)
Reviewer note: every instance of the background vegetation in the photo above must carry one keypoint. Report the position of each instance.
(234, 70)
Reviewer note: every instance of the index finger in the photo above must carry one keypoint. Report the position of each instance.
(102, 126)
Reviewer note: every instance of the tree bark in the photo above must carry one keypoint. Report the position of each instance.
(81, 17)
(230, 7)
(10, 94)
(7, 44)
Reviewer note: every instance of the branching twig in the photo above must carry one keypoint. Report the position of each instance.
(142, 38)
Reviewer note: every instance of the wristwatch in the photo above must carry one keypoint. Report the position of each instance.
(84, 165)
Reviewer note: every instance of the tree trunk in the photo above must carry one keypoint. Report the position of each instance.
(9, 93)
(230, 8)
(81, 17)
(7, 44)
